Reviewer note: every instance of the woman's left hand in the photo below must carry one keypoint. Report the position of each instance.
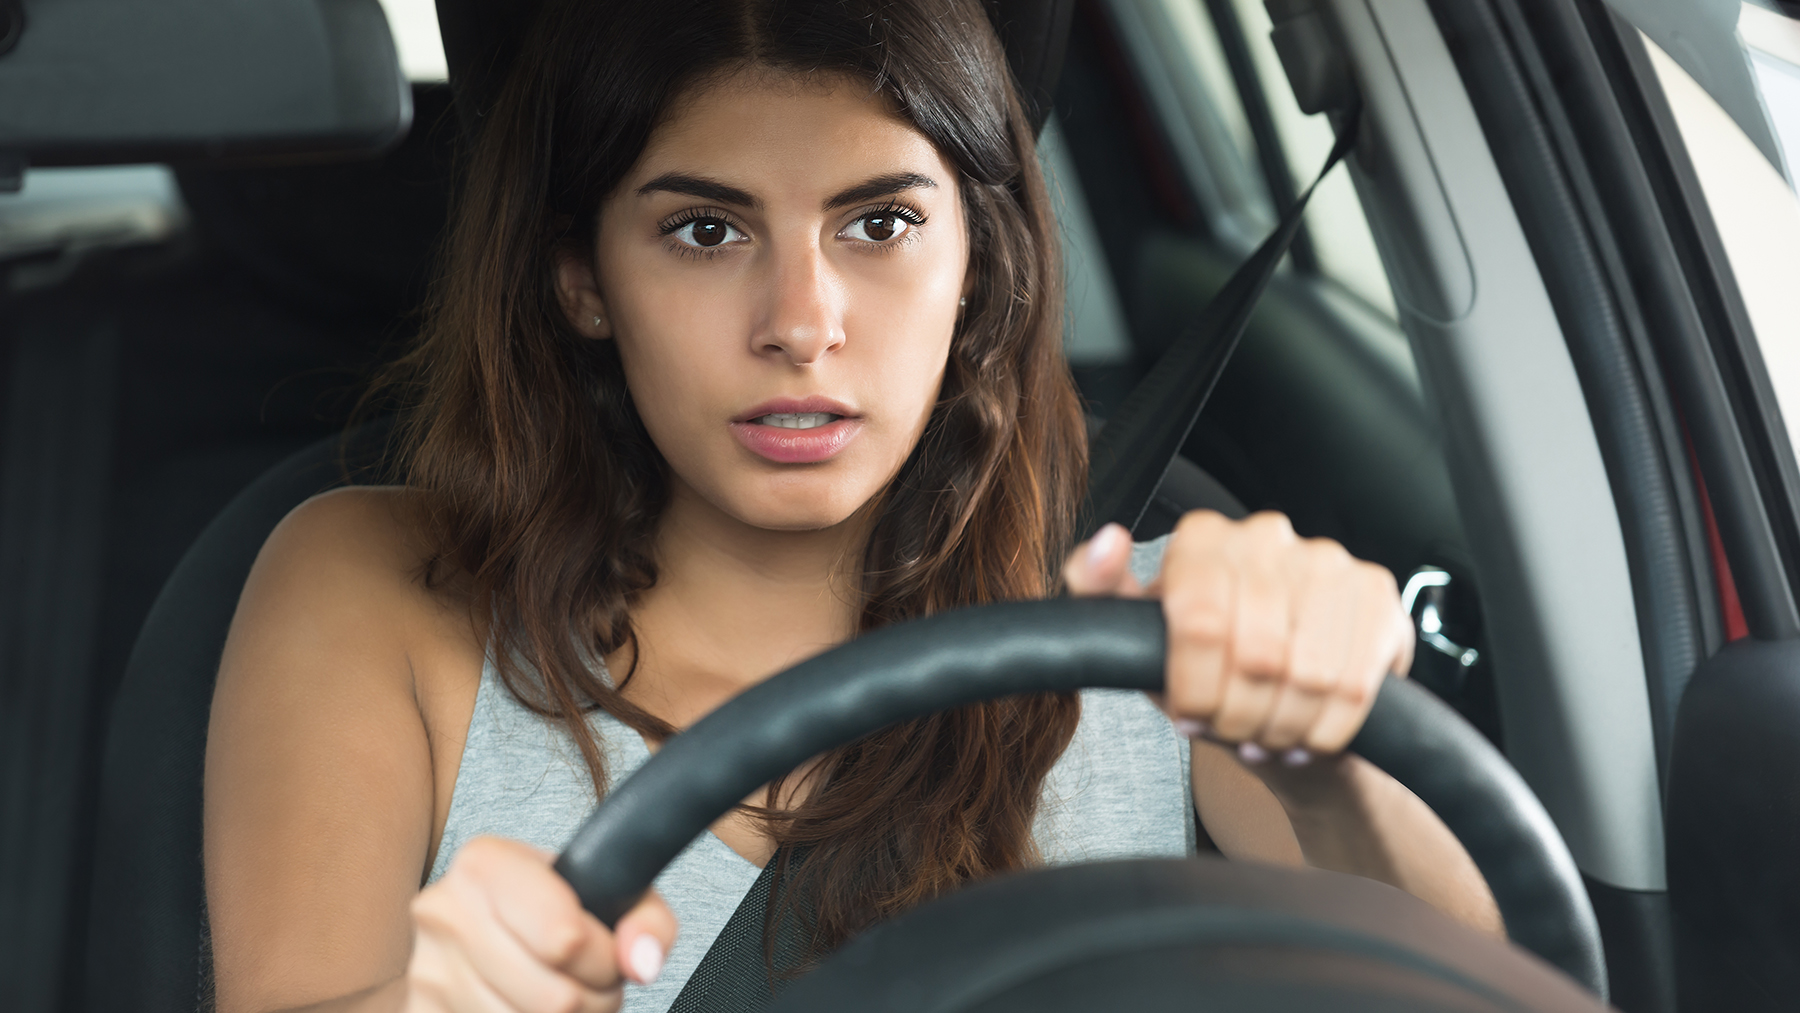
(1276, 642)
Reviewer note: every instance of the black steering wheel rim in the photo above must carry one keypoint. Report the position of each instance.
(981, 653)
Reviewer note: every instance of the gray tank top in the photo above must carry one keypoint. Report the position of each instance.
(1121, 790)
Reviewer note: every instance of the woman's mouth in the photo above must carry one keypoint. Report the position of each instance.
(796, 433)
(796, 420)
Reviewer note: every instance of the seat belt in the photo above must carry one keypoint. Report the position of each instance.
(736, 973)
(1135, 448)
(1130, 458)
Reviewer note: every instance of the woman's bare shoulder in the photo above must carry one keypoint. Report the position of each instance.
(357, 542)
(363, 527)
(347, 567)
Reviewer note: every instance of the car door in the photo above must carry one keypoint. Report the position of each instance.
(1593, 366)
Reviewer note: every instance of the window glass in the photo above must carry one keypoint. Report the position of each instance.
(59, 214)
(1340, 234)
(1183, 72)
(1774, 44)
(1094, 324)
(415, 27)
(1758, 218)
(1194, 35)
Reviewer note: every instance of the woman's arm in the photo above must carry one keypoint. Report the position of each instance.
(1349, 816)
(337, 727)
(319, 788)
(1281, 643)
(1339, 813)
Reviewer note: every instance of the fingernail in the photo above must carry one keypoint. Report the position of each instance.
(646, 959)
(1250, 752)
(1296, 757)
(1192, 728)
(1104, 542)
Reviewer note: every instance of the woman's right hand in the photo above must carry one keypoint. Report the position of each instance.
(503, 933)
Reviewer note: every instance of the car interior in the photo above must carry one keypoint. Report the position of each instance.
(1507, 355)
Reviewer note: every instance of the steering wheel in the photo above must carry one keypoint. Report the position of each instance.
(1198, 933)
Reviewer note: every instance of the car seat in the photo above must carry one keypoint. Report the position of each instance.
(144, 366)
(252, 347)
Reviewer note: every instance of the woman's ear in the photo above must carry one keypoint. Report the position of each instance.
(579, 294)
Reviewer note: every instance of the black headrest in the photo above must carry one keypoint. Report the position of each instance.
(347, 239)
(181, 80)
(481, 36)
(1035, 34)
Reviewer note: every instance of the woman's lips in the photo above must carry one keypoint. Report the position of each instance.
(785, 444)
(796, 446)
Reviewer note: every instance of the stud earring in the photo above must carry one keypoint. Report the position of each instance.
(964, 301)
(597, 321)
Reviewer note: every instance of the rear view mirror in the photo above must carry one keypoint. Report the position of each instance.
(88, 82)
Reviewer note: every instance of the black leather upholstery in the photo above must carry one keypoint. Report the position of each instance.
(1035, 34)
(143, 943)
(1733, 822)
(354, 238)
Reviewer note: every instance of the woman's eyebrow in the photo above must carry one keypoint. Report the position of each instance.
(697, 186)
(713, 190)
(879, 186)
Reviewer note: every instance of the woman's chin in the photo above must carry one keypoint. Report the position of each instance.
(800, 517)
(813, 500)
(797, 508)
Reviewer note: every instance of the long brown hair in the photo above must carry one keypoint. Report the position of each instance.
(540, 489)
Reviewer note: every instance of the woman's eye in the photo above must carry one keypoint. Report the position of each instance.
(879, 227)
(707, 233)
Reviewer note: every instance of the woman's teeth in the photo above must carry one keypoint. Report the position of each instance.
(796, 420)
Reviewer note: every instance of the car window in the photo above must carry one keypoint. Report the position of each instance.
(1774, 45)
(415, 27)
(1183, 48)
(59, 215)
(1340, 234)
(1753, 205)
(1094, 326)
(1181, 67)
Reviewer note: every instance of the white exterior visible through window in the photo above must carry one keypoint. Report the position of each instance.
(1758, 218)
(415, 27)
(1334, 219)
(1774, 44)
(1180, 68)
(1094, 329)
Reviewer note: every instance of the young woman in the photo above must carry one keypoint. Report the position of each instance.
(747, 340)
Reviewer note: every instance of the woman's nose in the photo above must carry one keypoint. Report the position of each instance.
(805, 317)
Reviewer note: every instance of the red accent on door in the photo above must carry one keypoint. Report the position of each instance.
(1730, 608)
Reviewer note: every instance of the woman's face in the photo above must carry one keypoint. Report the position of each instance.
(782, 271)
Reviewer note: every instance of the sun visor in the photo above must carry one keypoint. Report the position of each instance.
(1702, 36)
(91, 82)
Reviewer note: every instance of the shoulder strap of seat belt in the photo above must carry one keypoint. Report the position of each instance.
(1146, 432)
(735, 975)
